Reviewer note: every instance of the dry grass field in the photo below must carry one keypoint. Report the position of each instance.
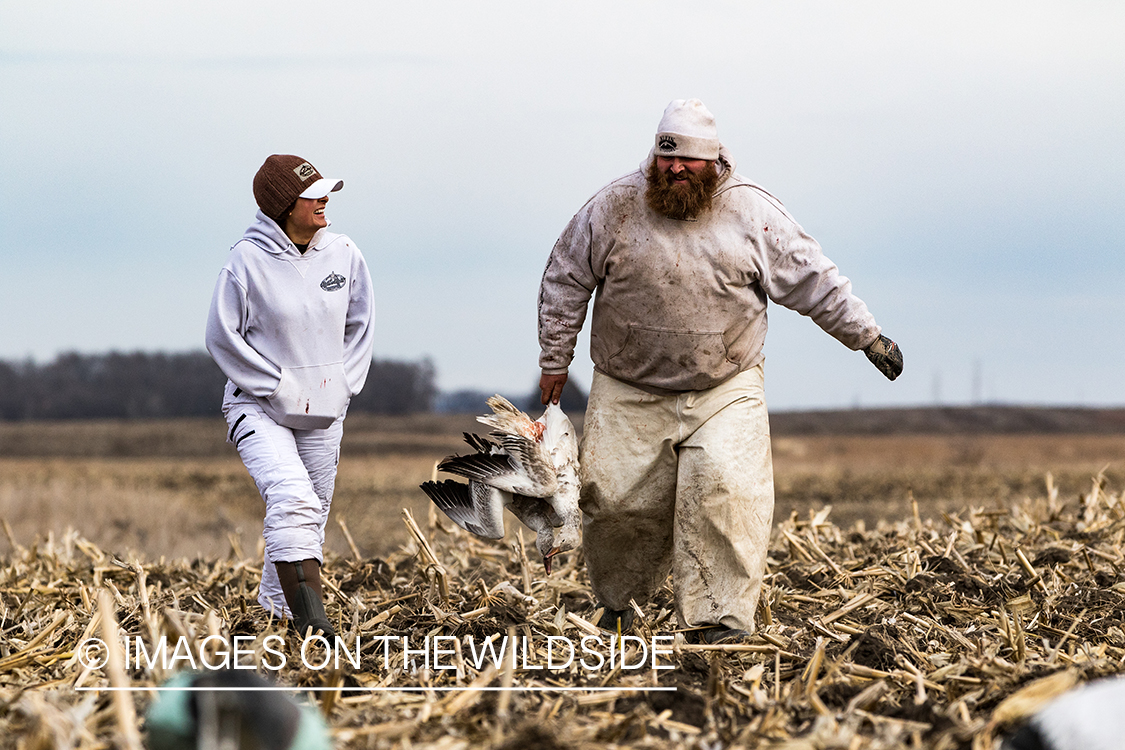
(872, 607)
(175, 488)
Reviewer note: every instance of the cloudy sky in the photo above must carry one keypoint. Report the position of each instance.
(962, 162)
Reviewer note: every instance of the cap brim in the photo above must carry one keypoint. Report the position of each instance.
(321, 188)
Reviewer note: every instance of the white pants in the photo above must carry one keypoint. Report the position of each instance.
(680, 483)
(295, 471)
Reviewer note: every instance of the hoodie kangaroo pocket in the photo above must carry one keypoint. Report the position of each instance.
(309, 398)
(672, 360)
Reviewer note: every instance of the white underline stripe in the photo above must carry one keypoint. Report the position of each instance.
(197, 689)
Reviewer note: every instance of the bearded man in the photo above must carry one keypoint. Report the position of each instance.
(681, 257)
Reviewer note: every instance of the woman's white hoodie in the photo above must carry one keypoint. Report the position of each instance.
(293, 330)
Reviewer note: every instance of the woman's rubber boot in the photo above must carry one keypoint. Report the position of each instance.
(304, 597)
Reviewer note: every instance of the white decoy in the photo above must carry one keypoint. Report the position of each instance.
(1089, 717)
(532, 469)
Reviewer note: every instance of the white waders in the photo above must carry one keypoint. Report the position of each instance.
(683, 483)
(295, 471)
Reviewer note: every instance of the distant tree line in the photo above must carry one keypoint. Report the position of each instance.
(397, 388)
(142, 385)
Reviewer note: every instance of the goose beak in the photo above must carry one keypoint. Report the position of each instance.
(547, 559)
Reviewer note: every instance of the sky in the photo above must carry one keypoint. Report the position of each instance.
(963, 163)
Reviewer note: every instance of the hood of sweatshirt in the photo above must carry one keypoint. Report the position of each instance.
(725, 162)
(266, 234)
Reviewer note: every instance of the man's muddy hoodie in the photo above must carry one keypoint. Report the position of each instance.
(681, 305)
(293, 330)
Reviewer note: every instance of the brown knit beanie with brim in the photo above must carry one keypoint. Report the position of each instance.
(284, 178)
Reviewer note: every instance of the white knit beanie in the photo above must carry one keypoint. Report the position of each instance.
(687, 130)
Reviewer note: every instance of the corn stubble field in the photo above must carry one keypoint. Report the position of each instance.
(922, 591)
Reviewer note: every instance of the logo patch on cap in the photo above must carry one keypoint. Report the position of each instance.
(667, 143)
(333, 282)
(304, 171)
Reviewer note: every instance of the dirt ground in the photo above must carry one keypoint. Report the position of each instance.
(877, 629)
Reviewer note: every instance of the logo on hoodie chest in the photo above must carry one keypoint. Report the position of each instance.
(333, 282)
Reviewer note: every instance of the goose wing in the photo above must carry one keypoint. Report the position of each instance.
(481, 444)
(532, 463)
(514, 462)
(475, 507)
(504, 471)
(522, 439)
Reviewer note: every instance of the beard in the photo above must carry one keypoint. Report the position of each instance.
(680, 201)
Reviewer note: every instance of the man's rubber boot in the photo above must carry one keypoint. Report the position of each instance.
(612, 619)
(304, 600)
(716, 635)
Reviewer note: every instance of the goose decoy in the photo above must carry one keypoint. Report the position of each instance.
(1085, 718)
(231, 708)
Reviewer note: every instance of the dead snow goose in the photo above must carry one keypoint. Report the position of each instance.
(531, 469)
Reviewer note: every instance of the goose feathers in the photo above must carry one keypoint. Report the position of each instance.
(475, 507)
(529, 467)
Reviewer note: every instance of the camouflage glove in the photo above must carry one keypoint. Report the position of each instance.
(886, 356)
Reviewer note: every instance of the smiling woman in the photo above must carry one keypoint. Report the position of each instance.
(305, 219)
(287, 391)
